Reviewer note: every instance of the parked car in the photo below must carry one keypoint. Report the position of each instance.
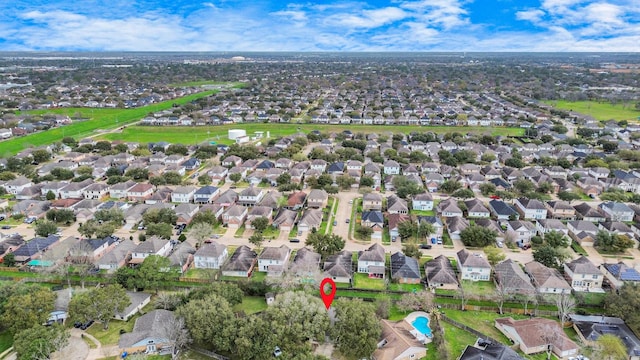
(294, 240)
(335, 223)
(425, 246)
(348, 221)
(6, 227)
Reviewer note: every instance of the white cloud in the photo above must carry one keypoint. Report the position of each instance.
(533, 15)
(445, 13)
(292, 14)
(367, 19)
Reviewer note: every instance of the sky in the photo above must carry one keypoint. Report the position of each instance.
(322, 25)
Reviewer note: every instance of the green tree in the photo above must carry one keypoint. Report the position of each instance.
(210, 321)
(487, 189)
(610, 347)
(40, 156)
(255, 339)
(345, 181)
(153, 272)
(464, 194)
(84, 170)
(556, 239)
(260, 224)
(114, 215)
(177, 149)
(88, 228)
(407, 229)
(45, 228)
(229, 291)
(568, 196)
(165, 215)
(172, 178)
(204, 179)
(235, 177)
(494, 254)
(23, 311)
(39, 342)
(7, 175)
(61, 216)
(325, 244)
(357, 328)
(478, 236)
(205, 216)
(200, 231)
(366, 181)
(62, 174)
(256, 239)
(163, 230)
(100, 304)
(9, 260)
(137, 173)
(625, 303)
(549, 256)
(450, 186)
(50, 195)
(411, 250)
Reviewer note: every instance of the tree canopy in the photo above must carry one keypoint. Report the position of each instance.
(478, 236)
(357, 328)
(325, 244)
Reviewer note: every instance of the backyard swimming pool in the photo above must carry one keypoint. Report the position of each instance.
(421, 323)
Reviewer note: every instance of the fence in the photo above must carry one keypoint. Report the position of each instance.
(466, 328)
(505, 310)
(209, 353)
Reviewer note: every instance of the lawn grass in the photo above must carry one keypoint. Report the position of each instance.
(406, 287)
(219, 133)
(111, 335)
(240, 231)
(364, 294)
(89, 342)
(251, 305)
(578, 249)
(598, 110)
(98, 119)
(6, 340)
(363, 281)
(456, 339)
(258, 276)
(480, 288)
(481, 321)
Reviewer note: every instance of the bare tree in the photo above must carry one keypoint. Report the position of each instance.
(201, 232)
(422, 300)
(548, 334)
(566, 305)
(169, 301)
(176, 334)
(463, 294)
(304, 273)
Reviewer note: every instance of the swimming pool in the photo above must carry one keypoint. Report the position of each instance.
(421, 323)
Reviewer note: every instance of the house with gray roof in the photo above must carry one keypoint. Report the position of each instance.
(510, 276)
(616, 211)
(274, 260)
(305, 264)
(241, 263)
(546, 280)
(405, 269)
(583, 275)
(440, 273)
(210, 255)
(117, 257)
(473, 266)
(148, 333)
(152, 246)
(372, 261)
(138, 300)
(590, 328)
(339, 267)
(311, 218)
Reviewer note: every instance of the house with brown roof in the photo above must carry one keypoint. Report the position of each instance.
(296, 200)
(546, 280)
(285, 219)
(140, 192)
(561, 210)
(583, 275)
(317, 198)
(584, 232)
(586, 212)
(235, 216)
(152, 246)
(473, 266)
(536, 335)
(274, 260)
(147, 335)
(311, 218)
(396, 205)
(511, 278)
(258, 212)
(449, 208)
(440, 273)
(398, 343)
(305, 264)
(210, 255)
(371, 201)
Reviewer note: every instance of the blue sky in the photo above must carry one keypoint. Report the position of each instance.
(270, 25)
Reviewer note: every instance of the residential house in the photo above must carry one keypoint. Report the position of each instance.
(561, 210)
(616, 275)
(511, 279)
(235, 216)
(449, 208)
(590, 328)
(205, 195)
(339, 267)
(317, 198)
(152, 246)
(258, 212)
(396, 205)
(531, 208)
(476, 209)
(285, 220)
(404, 269)
(311, 218)
(422, 202)
(618, 228)
(54, 187)
(536, 335)
(546, 280)
(489, 351)
(148, 333)
(231, 161)
(137, 300)
(616, 211)
(472, 266)
(440, 273)
(435, 222)
(584, 232)
(521, 231)
(544, 226)
(226, 199)
(372, 261)
(75, 190)
(211, 255)
(394, 221)
(140, 192)
(183, 194)
(455, 226)
(398, 343)
(375, 220)
(17, 185)
(296, 200)
(274, 260)
(503, 211)
(218, 174)
(585, 212)
(181, 257)
(34, 248)
(391, 167)
(241, 263)
(305, 264)
(250, 196)
(371, 201)
(118, 257)
(120, 190)
(583, 275)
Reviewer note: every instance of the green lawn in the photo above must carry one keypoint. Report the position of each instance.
(406, 287)
(598, 110)
(258, 276)
(251, 305)
(219, 133)
(6, 340)
(111, 335)
(98, 119)
(456, 339)
(481, 321)
(363, 281)
(271, 233)
(240, 231)
(480, 288)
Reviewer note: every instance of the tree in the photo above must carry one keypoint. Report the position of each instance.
(201, 231)
(464, 194)
(256, 239)
(568, 196)
(625, 303)
(366, 181)
(162, 230)
(260, 224)
(407, 229)
(610, 347)
(88, 229)
(548, 256)
(411, 250)
(153, 272)
(9, 260)
(172, 178)
(169, 301)
(40, 156)
(556, 239)
(61, 216)
(612, 242)
(100, 304)
(206, 216)
(566, 305)
(478, 236)
(26, 310)
(204, 179)
(357, 329)
(422, 300)
(345, 181)
(325, 244)
(176, 334)
(235, 177)
(177, 149)
(255, 338)
(450, 186)
(487, 189)
(50, 195)
(39, 342)
(114, 215)
(494, 255)
(210, 320)
(45, 228)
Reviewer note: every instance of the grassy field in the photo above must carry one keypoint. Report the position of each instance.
(456, 339)
(363, 281)
(111, 335)
(97, 119)
(192, 135)
(6, 340)
(598, 110)
(251, 305)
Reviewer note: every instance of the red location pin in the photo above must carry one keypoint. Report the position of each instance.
(327, 298)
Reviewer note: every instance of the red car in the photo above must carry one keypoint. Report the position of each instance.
(496, 197)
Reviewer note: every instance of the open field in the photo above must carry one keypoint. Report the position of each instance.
(599, 110)
(193, 135)
(97, 119)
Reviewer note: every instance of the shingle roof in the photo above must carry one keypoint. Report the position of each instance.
(374, 253)
(622, 272)
(403, 266)
(582, 265)
(469, 259)
(440, 271)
